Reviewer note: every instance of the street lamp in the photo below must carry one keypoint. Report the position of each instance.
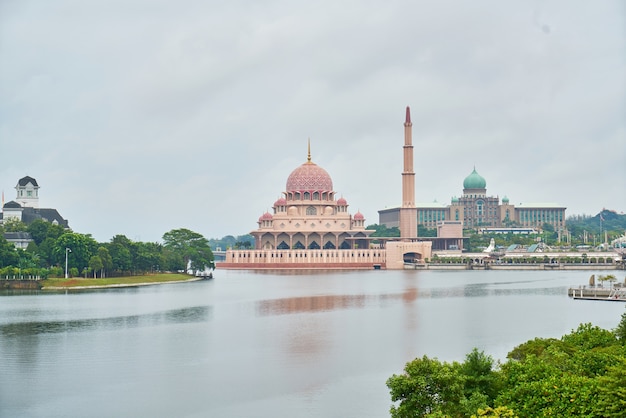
(67, 250)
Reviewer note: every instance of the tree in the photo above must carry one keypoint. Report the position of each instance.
(191, 246)
(8, 253)
(95, 264)
(620, 331)
(40, 230)
(82, 247)
(479, 375)
(14, 225)
(612, 392)
(427, 386)
(121, 252)
(107, 261)
(383, 231)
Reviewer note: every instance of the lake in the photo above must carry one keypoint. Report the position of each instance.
(267, 344)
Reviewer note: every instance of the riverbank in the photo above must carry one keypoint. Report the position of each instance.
(115, 282)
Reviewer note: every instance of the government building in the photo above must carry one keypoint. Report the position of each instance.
(476, 210)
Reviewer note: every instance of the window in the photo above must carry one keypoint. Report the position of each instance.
(311, 211)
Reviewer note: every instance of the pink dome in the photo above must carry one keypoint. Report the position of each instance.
(309, 177)
(358, 216)
(266, 217)
(280, 202)
(342, 202)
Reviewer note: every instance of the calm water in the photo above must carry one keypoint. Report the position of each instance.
(264, 344)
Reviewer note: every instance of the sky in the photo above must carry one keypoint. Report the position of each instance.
(137, 117)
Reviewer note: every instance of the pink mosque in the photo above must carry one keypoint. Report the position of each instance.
(310, 229)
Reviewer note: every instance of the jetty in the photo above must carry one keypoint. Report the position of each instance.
(593, 291)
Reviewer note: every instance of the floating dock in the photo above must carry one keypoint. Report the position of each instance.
(617, 294)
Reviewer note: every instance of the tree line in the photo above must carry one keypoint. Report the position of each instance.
(582, 374)
(45, 256)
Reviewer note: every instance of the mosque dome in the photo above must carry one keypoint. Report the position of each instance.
(266, 217)
(474, 181)
(358, 216)
(505, 200)
(280, 202)
(309, 177)
(342, 202)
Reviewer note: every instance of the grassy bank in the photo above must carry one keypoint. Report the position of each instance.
(114, 281)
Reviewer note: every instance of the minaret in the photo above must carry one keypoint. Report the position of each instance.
(408, 211)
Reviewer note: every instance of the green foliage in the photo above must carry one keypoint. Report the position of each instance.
(383, 231)
(422, 231)
(191, 246)
(620, 331)
(14, 225)
(582, 374)
(499, 412)
(480, 376)
(427, 386)
(611, 400)
(95, 264)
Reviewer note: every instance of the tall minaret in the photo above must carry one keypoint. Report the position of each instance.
(408, 211)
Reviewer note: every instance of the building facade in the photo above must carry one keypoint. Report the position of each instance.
(25, 207)
(475, 209)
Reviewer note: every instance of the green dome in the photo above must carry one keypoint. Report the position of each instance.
(474, 181)
(505, 200)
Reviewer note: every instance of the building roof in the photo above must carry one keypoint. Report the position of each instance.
(12, 205)
(50, 215)
(25, 180)
(540, 206)
(474, 181)
(309, 177)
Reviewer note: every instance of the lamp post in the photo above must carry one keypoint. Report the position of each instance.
(67, 250)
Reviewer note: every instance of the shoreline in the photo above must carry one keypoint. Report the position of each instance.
(119, 285)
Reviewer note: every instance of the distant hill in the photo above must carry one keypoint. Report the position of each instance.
(607, 220)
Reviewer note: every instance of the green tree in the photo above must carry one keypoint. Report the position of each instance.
(14, 225)
(191, 246)
(95, 264)
(149, 256)
(8, 253)
(82, 248)
(620, 331)
(39, 230)
(107, 261)
(383, 231)
(427, 386)
(612, 391)
(121, 252)
(479, 375)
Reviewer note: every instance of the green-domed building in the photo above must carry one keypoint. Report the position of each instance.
(476, 210)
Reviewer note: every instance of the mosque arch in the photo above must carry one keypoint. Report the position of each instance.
(316, 196)
(283, 246)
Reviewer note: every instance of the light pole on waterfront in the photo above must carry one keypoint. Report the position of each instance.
(67, 250)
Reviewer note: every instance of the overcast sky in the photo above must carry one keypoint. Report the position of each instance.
(141, 116)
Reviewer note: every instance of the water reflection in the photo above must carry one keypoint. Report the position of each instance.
(329, 302)
(174, 316)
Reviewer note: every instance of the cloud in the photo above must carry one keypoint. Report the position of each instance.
(137, 117)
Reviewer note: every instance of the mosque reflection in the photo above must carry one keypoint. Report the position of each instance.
(331, 302)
